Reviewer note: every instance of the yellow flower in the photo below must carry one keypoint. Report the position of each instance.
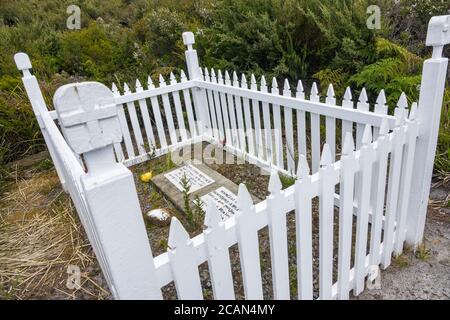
(146, 177)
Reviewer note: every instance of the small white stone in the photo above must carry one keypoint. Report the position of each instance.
(158, 216)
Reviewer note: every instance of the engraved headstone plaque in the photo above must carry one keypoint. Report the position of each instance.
(225, 200)
(197, 179)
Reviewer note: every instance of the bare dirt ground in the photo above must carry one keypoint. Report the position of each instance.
(424, 274)
(40, 236)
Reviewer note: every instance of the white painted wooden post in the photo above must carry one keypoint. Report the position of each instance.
(34, 93)
(88, 119)
(428, 115)
(198, 95)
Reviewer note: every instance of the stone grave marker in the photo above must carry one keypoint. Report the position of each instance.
(204, 183)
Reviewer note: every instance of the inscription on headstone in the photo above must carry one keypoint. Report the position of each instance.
(225, 200)
(196, 178)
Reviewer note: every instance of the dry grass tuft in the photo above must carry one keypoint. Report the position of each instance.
(40, 235)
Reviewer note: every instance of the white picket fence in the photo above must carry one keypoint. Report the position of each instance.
(373, 167)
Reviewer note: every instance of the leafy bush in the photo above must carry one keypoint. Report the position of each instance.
(122, 40)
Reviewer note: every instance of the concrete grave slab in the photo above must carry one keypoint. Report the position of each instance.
(209, 184)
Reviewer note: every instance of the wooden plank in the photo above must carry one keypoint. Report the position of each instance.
(226, 119)
(378, 208)
(218, 109)
(303, 228)
(278, 239)
(124, 126)
(411, 130)
(189, 110)
(178, 110)
(315, 132)
(362, 224)
(259, 149)
(231, 112)
(347, 103)
(212, 108)
(240, 119)
(183, 263)
(326, 213)
(247, 234)
(362, 105)
(218, 255)
(290, 151)
(157, 114)
(392, 194)
(301, 121)
(168, 112)
(330, 123)
(145, 118)
(380, 108)
(248, 119)
(135, 123)
(267, 126)
(346, 188)
(277, 127)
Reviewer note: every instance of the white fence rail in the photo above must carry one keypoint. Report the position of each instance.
(371, 179)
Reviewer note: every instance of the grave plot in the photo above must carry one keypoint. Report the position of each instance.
(201, 185)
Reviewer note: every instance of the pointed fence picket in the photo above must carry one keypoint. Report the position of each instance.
(247, 119)
(218, 254)
(347, 174)
(315, 131)
(303, 218)
(145, 117)
(157, 114)
(278, 239)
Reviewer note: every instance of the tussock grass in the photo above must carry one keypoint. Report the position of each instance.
(40, 235)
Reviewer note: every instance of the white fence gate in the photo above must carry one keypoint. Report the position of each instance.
(373, 167)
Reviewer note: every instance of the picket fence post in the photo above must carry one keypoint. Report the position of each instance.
(34, 93)
(198, 94)
(88, 119)
(428, 115)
